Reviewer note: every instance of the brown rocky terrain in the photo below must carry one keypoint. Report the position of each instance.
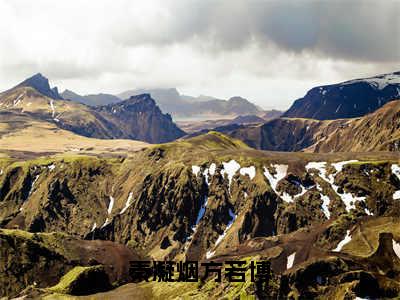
(377, 131)
(212, 197)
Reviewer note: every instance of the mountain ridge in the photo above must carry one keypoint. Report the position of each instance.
(348, 99)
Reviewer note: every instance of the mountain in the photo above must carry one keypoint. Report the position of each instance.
(41, 84)
(91, 100)
(377, 131)
(326, 228)
(139, 118)
(203, 107)
(192, 127)
(136, 118)
(348, 99)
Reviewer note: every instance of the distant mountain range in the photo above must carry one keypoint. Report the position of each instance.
(348, 99)
(191, 127)
(179, 106)
(137, 118)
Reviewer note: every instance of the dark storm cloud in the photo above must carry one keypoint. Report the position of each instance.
(351, 30)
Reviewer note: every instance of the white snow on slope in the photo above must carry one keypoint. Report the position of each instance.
(396, 171)
(348, 199)
(200, 214)
(378, 82)
(51, 167)
(110, 205)
(53, 109)
(94, 227)
(33, 184)
(210, 254)
(325, 202)
(212, 169)
(205, 174)
(105, 223)
(127, 204)
(281, 171)
(339, 165)
(230, 168)
(18, 100)
(250, 171)
(396, 248)
(195, 170)
(396, 195)
(290, 260)
(345, 241)
(221, 237)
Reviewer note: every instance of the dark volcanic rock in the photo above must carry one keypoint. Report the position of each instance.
(348, 99)
(140, 118)
(41, 84)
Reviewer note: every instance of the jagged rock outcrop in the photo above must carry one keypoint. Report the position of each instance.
(41, 84)
(140, 118)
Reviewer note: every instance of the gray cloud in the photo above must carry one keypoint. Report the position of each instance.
(355, 30)
(268, 51)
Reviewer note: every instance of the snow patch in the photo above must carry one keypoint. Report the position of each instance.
(290, 260)
(250, 171)
(210, 254)
(127, 204)
(53, 108)
(325, 203)
(348, 199)
(230, 168)
(201, 213)
(195, 170)
(110, 205)
(396, 248)
(94, 227)
(51, 167)
(281, 171)
(212, 169)
(378, 82)
(105, 223)
(396, 171)
(221, 237)
(345, 241)
(33, 184)
(18, 100)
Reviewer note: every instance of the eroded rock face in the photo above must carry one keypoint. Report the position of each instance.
(173, 203)
(217, 207)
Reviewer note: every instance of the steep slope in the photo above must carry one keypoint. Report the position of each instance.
(378, 131)
(140, 118)
(91, 100)
(41, 84)
(348, 99)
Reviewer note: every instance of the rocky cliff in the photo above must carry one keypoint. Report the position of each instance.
(212, 196)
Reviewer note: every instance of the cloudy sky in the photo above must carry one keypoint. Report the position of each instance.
(270, 52)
